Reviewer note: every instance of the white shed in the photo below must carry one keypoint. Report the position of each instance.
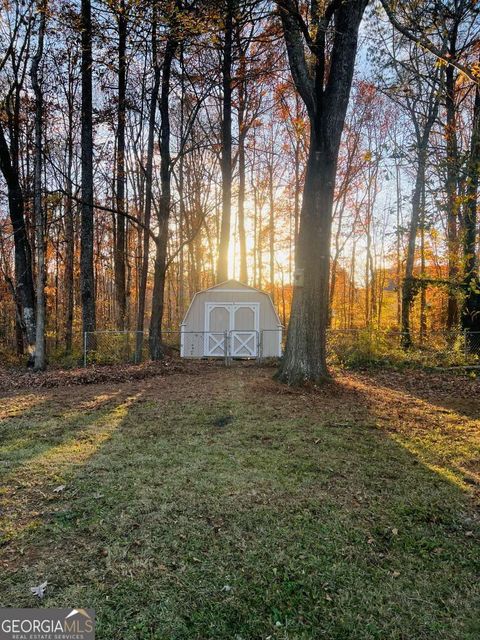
(231, 319)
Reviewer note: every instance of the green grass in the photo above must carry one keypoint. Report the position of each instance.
(345, 514)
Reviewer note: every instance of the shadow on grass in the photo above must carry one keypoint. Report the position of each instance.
(441, 439)
(48, 425)
(443, 390)
(34, 470)
(296, 518)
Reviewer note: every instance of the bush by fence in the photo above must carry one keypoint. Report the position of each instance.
(351, 348)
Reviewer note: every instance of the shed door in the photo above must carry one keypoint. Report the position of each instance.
(217, 321)
(239, 320)
(244, 333)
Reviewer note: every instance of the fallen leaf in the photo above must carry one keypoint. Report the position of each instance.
(39, 590)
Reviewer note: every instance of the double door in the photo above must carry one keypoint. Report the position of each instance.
(240, 321)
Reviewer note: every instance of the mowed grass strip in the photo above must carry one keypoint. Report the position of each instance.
(226, 506)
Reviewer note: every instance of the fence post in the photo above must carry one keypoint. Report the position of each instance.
(225, 348)
(85, 348)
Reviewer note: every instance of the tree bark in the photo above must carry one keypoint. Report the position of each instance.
(119, 260)
(452, 184)
(69, 230)
(471, 304)
(423, 292)
(241, 201)
(326, 100)
(148, 194)
(408, 287)
(271, 229)
(305, 354)
(39, 361)
(87, 275)
(155, 338)
(24, 289)
(226, 159)
(241, 165)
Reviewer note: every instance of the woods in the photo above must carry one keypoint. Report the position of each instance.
(325, 152)
(240, 319)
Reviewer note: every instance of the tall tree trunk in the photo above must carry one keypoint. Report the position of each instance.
(156, 349)
(226, 159)
(39, 363)
(352, 290)
(471, 305)
(148, 194)
(24, 289)
(119, 261)
(241, 167)
(296, 207)
(452, 184)
(336, 257)
(181, 193)
(398, 232)
(69, 233)
(87, 275)
(333, 284)
(305, 354)
(423, 292)
(255, 236)
(408, 287)
(326, 101)
(241, 207)
(271, 224)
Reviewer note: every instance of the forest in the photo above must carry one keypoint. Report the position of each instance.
(239, 319)
(324, 152)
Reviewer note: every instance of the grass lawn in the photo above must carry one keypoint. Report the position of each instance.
(216, 503)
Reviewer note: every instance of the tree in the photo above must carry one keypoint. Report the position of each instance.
(39, 363)
(417, 91)
(226, 135)
(324, 86)
(147, 214)
(446, 32)
(471, 306)
(163, 215)
(120, 288)
(242, 131)
(87, 275)
(24, 290)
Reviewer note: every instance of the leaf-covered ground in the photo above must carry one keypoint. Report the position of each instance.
(216, 503)
(17, 378)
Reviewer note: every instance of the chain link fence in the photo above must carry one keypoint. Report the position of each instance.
(120, 347)
(344, 347)
(435, 348)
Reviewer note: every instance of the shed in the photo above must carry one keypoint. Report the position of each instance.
(231, 319)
